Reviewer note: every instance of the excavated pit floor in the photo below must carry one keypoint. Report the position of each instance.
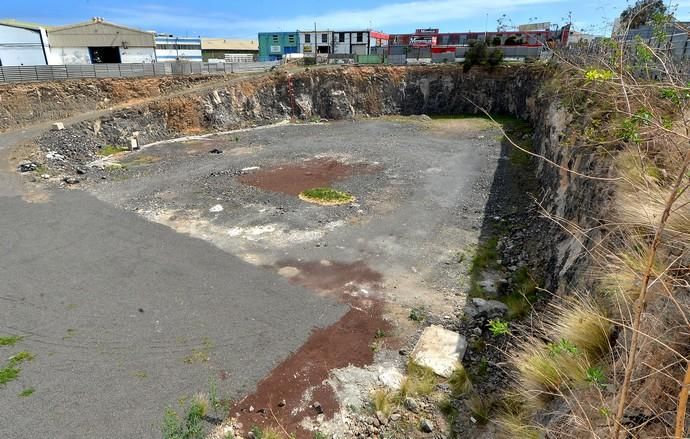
(420, 189)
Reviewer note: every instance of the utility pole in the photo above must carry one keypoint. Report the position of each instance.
(315, 42)
(486, 26)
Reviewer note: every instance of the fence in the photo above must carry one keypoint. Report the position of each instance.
(53, 73)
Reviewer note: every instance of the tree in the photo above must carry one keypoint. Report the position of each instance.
(495, 57)
(477, 54)
(641, 13)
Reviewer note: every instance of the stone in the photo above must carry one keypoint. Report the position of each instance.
(81, 171)
(251, 409)
(411, 405)
(426, 426)
(317, 406)
(27, 166)
(215, 209)
(383, 419)
(216, 151)
(58, 126)
(440, 350)
(395, 417)
(281, 403)
(251, 435)
(489, 307)
(391, 377)
(71, 180)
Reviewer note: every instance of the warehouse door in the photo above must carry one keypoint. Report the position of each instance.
(101, 55)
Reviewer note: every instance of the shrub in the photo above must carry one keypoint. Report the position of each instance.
(423, 379)
(585, 325)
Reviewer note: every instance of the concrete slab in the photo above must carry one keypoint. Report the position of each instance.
(440, 350)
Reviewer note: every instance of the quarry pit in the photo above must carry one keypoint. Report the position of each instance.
(192, 265)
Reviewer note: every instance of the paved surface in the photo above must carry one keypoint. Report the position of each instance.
(112, 305)
(411, 218)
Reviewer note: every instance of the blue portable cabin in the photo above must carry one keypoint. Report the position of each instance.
(274, 45)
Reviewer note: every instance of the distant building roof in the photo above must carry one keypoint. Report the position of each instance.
(223, 44)
(23, 24)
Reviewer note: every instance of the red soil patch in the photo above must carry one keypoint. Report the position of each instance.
(294, 178)
(347, 342)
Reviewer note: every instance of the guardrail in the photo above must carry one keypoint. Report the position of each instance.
(56, 73)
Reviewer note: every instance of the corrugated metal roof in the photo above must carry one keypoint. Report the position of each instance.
(23, 24)
(223, 44)
(99, 33)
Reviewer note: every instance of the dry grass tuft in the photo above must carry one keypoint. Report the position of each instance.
(544, 370)
(460, 383)
(422, 379)
(584, 324)
(382, 400)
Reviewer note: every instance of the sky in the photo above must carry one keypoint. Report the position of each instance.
(243, 19)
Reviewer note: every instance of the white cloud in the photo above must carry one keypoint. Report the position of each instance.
(411, 14)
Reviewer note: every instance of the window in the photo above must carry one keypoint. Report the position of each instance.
(341, 37)
(307, 38)
(360, 37)
(324, 38)
(291, 39)
(275, 39)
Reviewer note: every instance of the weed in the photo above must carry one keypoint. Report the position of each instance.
(19, 358)
(543, 370)
(514, 420)
(423, 379)
(140, 374)
(191, 427)
(418, 314)
(319, 435)
(109, 150)
(595, 375)
(326, 195)
(563, 346)
(27, 392)
(10, 340)
(479, 370)
(485, 258)
(460, 383)
(379, 334)
(202, 354)
(480, 408)
(7, 374)
(598, 75)
(382, 401)
(449, 411)
(376, 346)
(498, 327)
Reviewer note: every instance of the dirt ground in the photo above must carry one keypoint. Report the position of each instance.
(420, 189)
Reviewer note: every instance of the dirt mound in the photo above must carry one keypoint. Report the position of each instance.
(293, 178)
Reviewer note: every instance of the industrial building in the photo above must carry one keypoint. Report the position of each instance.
(275, 45)
(357, 42)
(224, 50)
(174, 48)
(22, 44)
(97, 41)
(315, 42)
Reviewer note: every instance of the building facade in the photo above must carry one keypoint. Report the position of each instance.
(274, 46)
(312, 43)
(98, 41)
(173, 48)
(221, 49)
(22, 44)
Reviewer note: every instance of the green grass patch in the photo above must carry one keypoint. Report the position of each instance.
(485, 258)
(19, 358)
(109, 150)
(7, 374)
(27, 392)
(10, 340)
(326, 195)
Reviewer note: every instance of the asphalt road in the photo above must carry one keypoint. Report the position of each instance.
(125, 317)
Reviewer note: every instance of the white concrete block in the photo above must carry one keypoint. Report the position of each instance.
(440, 350)
(58, 126)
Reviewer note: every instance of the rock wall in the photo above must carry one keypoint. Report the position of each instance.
(374, 91)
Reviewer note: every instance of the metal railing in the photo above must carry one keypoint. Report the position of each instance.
(55, 73)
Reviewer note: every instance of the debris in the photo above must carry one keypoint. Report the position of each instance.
(58, 126)
(440, 350)
(317, 406)
(281, 403)
(411, 405)
(45, 176)
(215, 209)
(80, 171)
(251, 168)
(216, 151)
(71, 180)
(27, 166)
(426, 426)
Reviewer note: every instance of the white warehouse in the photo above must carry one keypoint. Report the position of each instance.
(22, 44)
